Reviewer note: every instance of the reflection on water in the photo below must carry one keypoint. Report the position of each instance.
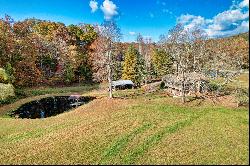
(50, 106)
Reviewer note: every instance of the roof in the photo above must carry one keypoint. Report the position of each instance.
(122, 82)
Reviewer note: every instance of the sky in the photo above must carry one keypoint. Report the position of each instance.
(151, 18)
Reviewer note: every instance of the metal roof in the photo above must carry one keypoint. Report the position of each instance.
(122, 82)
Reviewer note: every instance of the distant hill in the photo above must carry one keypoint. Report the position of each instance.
(243, 35)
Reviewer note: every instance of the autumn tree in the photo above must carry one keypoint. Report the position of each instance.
(187, 49)
(133, 67)
(103, 56)
(162, 62)
(8, 51)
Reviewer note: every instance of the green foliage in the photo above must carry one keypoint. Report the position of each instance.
(242, 96)
(117, 70)
(85, 72)
(49, 62)
(19, 93)
(129, 66)
(85, 33)
(89, 34)
(3, 76)
(133, 67)
(6, 90)
(69, 74)
(46, 29)
(10, 72)
(140, 69)
(213, 86)
(162, 62)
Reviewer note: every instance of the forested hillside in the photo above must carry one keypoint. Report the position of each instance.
(36, 52)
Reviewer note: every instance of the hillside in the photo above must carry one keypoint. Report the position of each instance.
(141, 129)
(243, 35)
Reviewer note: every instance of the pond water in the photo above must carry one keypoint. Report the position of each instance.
(50, 106)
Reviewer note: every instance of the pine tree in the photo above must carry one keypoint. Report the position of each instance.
(133, 67)
(162, 62)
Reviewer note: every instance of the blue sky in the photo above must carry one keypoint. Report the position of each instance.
(148, 17)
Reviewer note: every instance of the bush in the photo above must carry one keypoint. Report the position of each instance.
(10, 72)
(242, 96)
(6, 90)
(69, 74)
(213, 86)
(219, 89)
(3, 76)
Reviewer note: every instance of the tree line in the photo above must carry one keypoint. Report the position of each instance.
(37, 52)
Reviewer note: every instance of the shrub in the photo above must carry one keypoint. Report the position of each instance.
(242, 96)
(69, 74)
(10, 72)
(219, 89)
(213, 86)
(3, 76)
(6, 90)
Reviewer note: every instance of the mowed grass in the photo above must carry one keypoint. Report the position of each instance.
(141, 129)
(30, 94)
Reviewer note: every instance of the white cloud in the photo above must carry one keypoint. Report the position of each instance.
(132, 33)
(109, 9)
(244, 3)
(93, 5)
(229, 22)
(243, 27)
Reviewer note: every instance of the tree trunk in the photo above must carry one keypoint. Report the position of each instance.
(110, 75)
(177, 69)
(183, 88)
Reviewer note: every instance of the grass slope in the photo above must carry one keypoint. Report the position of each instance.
(147, 129)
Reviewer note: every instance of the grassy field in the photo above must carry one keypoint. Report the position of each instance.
(30, 94)
(130, 129)
(38, 91)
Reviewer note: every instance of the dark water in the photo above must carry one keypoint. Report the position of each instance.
(50, 106)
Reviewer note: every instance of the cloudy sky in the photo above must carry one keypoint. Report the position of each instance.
(151, 18)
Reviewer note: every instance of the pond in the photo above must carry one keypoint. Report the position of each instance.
(50, 106)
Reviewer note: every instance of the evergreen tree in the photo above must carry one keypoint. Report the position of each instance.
(133, 67)
(69, 74)
(10, 72)
(162, 62)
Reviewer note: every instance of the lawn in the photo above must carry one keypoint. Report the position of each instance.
(38, 91)
(29, 94)
(135, 129)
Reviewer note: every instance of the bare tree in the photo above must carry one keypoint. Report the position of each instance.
(140, 41)
(187, 48)
(108, 35)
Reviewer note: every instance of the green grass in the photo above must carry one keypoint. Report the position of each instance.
(30, 92)
(52, 90)
(136, 129)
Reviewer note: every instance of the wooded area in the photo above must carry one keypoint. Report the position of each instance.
(36, 52)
